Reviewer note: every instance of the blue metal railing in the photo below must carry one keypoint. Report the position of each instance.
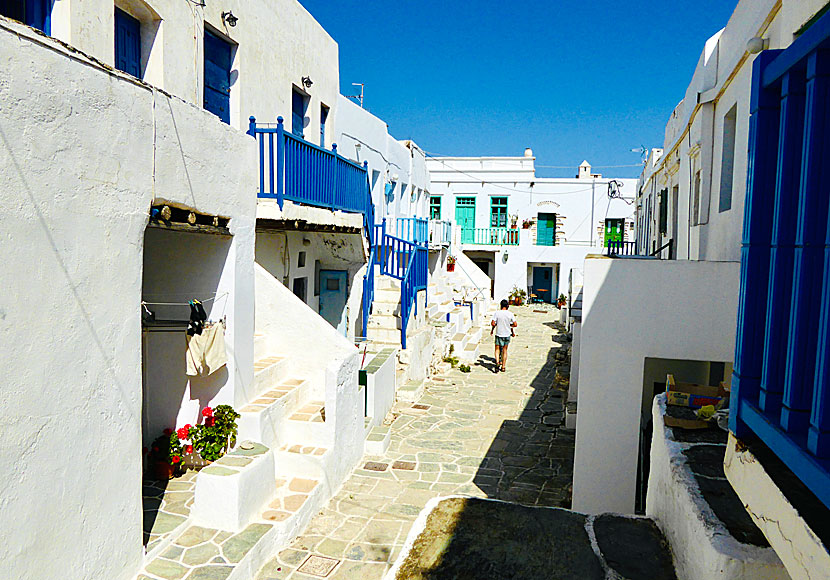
(413, 229)
(781, 380)
(621, 248)
(368, 291)
(490, 236)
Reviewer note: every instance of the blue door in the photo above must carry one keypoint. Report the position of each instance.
(217, 76)
(333, 296)
(35, 13)
(543, 283)
(127, 43)
(299, 104)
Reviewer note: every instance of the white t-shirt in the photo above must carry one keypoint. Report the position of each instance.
(504, 320)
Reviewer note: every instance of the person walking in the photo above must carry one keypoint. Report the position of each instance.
(502, 324)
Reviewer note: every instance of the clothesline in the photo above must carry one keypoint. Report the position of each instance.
(216, 297)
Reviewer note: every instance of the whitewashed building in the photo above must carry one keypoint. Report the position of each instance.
(527, 232)
(730, 194)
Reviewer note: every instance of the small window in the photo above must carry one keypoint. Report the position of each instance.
(696, 201)
(301, 260)
(299, 106)
(435, 207)
(664, 211)
(127, 43)
(34, 13)
(728, 159)
(300, 287)
(324, 115)
(498, 212)
(332, 284)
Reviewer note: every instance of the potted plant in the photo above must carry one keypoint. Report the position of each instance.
(527, 224)
(517, 296)
(213, 438)
(165, 456)
(561, 301)
(450, 263)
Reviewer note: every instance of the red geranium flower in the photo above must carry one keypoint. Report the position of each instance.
(207, 412)
(210, 421)
(168, 431)
(188, 449)
(176, 459)
(183, 432)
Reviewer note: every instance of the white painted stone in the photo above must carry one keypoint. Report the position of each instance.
(231, 502)
(381, 387)
(701, 545)
(800, 549)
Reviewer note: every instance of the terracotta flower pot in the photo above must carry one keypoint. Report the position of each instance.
(160, 470)
(450, 267)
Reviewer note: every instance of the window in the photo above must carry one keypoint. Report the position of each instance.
(217, 76)
(498, 212)
(546, 229)
(435, 207)
(728, 159)
(613, 231)
(127, 43)
(34, 13)
(324, 115)
(299, 106)
(301, 260)
(300, 287)
(695, 217)
(664, 211)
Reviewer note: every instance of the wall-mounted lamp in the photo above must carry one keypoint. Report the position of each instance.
(307, 82)
(306, 242)
(757, 44)
(229, 18)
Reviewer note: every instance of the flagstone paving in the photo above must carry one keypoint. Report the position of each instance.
(481, 434)
(166, 507)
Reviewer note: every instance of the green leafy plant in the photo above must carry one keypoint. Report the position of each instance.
(218, 433)
(452, 348)
(464, 368)
(450, 260)
(453, 360)
(517, 295)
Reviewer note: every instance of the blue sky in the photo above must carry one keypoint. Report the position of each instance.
(572, 79)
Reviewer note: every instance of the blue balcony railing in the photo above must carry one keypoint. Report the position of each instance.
(294, 169)
(490, 236)
(781, 381)
(440, 232)
(413, 229)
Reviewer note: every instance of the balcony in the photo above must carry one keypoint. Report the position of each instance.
(293, 169)
(440, 233)
(490, 236)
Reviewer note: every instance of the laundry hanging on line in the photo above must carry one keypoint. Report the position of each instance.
(197, 318)
(206, 352)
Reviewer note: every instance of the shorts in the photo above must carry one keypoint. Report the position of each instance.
(502, 340)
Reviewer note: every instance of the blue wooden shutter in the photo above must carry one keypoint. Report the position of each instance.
(35, 13)
(218, 76)
(298, 106)
(127, 43)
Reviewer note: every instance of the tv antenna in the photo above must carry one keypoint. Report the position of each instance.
(643, 151)
(358, 97)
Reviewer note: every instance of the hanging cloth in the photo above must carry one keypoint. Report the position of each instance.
(206, 352)
(197, 318)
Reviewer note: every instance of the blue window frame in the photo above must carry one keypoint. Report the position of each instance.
(127, 43)
(35, 13)
(324, 115)
(218, 76)
(299, 106)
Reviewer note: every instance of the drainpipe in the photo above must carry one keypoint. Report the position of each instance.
(593, 186)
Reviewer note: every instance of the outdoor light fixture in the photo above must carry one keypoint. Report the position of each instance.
(757, 44)
(307, 82)
(229, 18)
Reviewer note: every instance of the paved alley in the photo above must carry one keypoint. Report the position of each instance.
(480, 434)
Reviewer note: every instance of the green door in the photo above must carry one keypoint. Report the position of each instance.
(465, 216)
(546, 229)
(613, 231)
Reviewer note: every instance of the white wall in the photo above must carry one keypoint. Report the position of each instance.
(687, 312)
(278, 43)
(694, 133)
(79, 168)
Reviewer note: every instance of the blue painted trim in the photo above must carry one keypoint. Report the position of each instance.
(811, 471)
(814, 38)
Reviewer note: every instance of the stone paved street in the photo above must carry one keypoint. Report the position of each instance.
(482, 434)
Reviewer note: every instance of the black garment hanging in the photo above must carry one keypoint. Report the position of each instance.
(197, 318)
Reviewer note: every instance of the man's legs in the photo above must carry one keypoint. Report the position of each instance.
(504, 357)
(498, 353)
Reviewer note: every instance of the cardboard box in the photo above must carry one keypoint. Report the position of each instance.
(692, 395)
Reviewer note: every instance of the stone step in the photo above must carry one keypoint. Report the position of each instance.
(469, 354)
(269, 372)
(308, 424)
(377, 441)
(302, 460)
(387, 295)
(265, 419)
